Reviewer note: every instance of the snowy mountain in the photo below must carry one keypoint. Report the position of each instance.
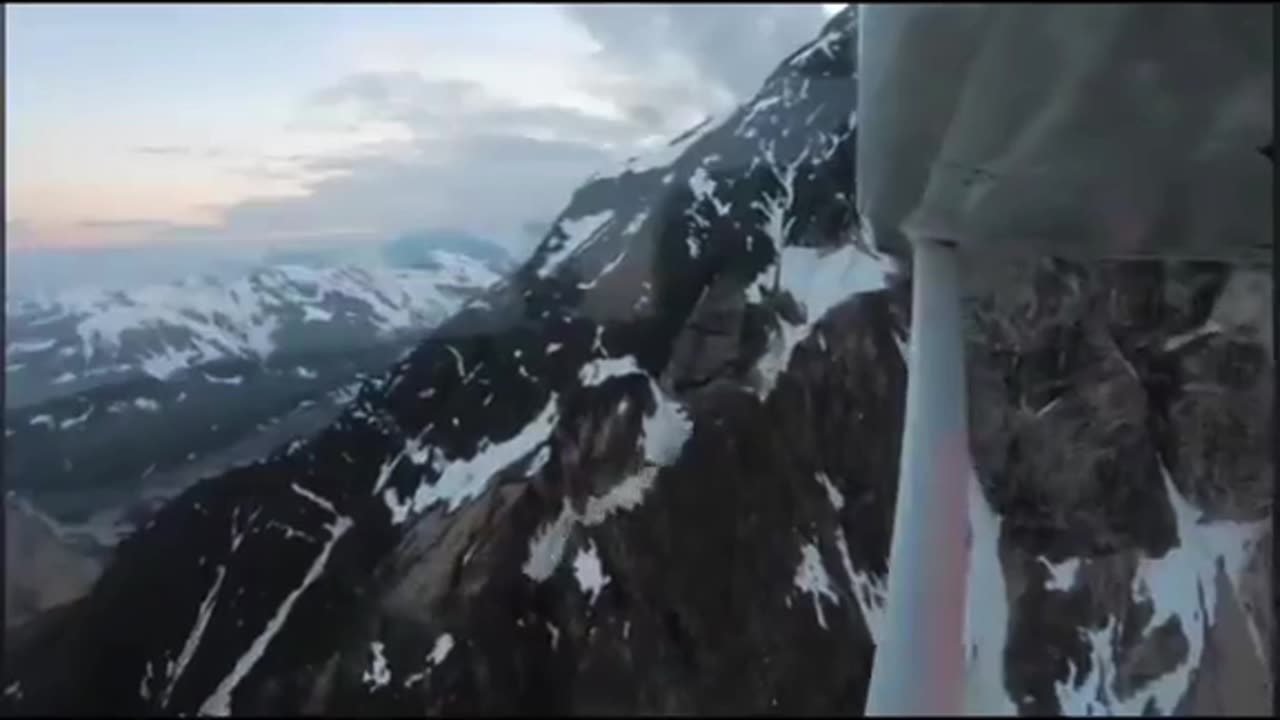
(213, 374)
(78, 340)
(653, 471)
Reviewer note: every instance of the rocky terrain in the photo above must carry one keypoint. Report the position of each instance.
(653, 471)
(43, 568)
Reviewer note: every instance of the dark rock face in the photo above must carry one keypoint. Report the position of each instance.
(43, 570)
(1116, 409)
(672, 602)
(654, 472)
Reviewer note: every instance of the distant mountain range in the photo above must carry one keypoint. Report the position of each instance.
(48, 271)
(116, 400)
(79, 340)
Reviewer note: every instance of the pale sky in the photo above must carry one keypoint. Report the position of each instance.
(247, 124)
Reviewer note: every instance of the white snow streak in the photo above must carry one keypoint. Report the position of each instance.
(608, 268)
(666, 430)
(623, 497)
(546, 547)
(833, 495)
(756, 108)
(821, 45)
(576, 232)
(233, 380)
(636, 222)
(165, 365)
(457, 359)
(197, 633)
(1177, 341)
(692, 244)
(539, 461)
(590, 573)
(462, 479)
(148, 679)
(819, 279)
(597, 371)
(777, 224)
(311, 313)
(385, 470)
(704, 188)
(1062, 577)
(219, 703)
(869, 592)
(811, 577)
(314, 498)
(26, 347)
(146, 404)
(378, 674)
(77, 420)
(441, 649)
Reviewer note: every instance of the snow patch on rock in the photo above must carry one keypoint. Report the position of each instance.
(575, 233)
(819, 279)
(590, 573)
(1182, 584)
(378, 674)
(811, 577)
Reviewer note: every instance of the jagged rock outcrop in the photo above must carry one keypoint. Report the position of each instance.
(654, 472)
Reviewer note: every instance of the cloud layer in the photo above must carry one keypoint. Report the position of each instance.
(451, 152)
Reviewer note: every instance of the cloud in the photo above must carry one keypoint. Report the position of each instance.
(436, 107)
(139, 225)
(471, 160)
(495, 167)
(166, 150)
(467, 156)
(487, 183)
(386, 91)
(183, 151)
(687, 53)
